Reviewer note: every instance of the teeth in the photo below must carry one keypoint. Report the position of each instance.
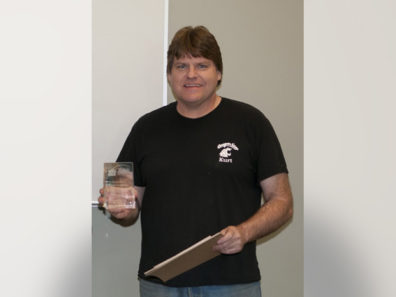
(192, 85)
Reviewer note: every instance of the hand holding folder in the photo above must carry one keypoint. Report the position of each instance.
(191, 257)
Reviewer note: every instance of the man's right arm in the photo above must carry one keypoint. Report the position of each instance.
(126, 216)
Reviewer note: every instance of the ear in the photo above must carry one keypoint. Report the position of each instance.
(168, 75)
(219, 76)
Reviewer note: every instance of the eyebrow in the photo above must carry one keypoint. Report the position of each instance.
(198, 62)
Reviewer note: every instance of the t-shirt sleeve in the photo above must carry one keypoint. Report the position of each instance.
(270, 160)
(129, 153)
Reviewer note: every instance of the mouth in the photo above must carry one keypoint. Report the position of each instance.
(192, 85)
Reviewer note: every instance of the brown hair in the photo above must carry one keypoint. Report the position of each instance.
(197, 42)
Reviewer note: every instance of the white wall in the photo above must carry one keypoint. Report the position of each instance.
(45, 128)
(350, 145)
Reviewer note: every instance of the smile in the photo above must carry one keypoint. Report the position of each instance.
(192, 85)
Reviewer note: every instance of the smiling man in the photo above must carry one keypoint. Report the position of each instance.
(202, 165)
(194, 71)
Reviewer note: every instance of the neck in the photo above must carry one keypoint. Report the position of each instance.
(197, 110)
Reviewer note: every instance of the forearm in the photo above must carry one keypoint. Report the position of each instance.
(269, 218)
(275, 212)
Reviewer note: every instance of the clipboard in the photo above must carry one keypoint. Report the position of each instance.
(187, 259)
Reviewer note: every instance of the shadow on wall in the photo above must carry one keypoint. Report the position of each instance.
(115, 257)
(330, 263)
(73, 273)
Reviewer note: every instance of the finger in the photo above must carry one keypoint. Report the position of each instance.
(231, 242)
(119, 210)
(227, 235)
(122, 214)
(227, 249)
(231, 247)
(135, 193)
(115, 209)
(119, 214)
(223, 246)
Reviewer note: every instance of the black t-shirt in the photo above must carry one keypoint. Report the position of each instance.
(201, 175)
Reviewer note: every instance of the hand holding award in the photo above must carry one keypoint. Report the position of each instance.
(118, 192)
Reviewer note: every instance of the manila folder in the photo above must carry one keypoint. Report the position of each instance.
(191, 257)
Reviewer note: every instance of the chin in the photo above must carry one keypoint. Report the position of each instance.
(190, 99)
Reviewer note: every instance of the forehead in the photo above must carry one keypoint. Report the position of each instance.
(191, 59)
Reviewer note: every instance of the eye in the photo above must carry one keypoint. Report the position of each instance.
(181, 66)
(202, 66)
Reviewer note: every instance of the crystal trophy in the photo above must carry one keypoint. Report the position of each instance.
(118, 185)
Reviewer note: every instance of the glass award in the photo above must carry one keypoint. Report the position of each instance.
(118, 185)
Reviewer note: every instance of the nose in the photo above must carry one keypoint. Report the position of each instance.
(191, 73)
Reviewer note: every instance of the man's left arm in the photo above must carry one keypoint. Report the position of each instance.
(275, 212)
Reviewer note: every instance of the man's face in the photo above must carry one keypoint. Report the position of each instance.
(193, 80)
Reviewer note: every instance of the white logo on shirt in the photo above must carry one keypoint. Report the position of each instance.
(225, 153)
